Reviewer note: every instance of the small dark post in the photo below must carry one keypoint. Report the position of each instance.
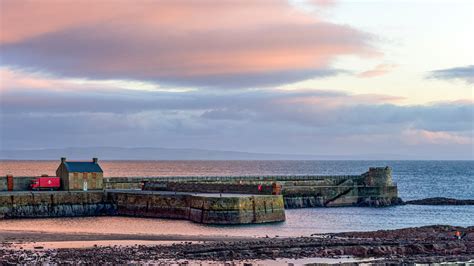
(95, 160)
(63, 159)
(10, 182)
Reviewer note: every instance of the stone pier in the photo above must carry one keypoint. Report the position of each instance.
(201, 208)
(372, 188)
(26, 204)
(208, 200)
(207, 208)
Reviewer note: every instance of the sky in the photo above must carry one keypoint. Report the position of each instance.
(317, 77)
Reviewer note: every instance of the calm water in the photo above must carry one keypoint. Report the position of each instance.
(415, 179)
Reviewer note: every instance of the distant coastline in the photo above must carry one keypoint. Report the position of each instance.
(158, 153)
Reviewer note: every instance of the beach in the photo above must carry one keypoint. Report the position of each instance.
(411, 245)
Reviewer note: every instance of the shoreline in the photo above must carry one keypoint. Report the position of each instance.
(436, 243)
(14, 236)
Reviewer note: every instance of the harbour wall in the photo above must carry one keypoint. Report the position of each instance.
(17, 183)
(54, 204)
(215, 187)
(373, 188)
(261, 199)
(344, 196)
(207, 209)
(138, 182)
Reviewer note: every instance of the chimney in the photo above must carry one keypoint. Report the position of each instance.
(63, 159)
(94, 160)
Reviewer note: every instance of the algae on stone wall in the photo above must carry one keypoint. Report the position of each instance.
(54, 204)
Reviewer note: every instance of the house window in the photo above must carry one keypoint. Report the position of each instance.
(94, 175)
(76, 175)
(84, 175)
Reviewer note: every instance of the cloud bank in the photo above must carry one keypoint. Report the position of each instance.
(217, 44)
(295, 121)
(378, 70)
(205, 74)
(465, 74)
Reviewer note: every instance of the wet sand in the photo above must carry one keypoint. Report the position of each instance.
(15, 236)
(423, 244)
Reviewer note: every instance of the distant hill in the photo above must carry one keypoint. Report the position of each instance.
(116, 153)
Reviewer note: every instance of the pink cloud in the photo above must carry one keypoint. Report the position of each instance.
(323, 3)
(17, 80)
(210, 43)
(338, 100)
(51, 15)
(379, 70)
(420, 136)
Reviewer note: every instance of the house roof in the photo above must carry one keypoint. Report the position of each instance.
(85, 167)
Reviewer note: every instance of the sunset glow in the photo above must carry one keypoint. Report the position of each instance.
(287, 77)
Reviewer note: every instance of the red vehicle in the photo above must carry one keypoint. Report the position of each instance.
(45, 182)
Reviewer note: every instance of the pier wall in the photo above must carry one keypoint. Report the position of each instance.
(373, 188)
(207, 209)
(54, 204)
(20, 183)
(208, 200)
(317, 180)
(214, 187)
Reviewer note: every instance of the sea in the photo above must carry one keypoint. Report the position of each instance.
(415, 180)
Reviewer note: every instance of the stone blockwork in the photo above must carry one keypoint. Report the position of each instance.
(176, 197)
(373, 188)
(135, 182)
(207, 209)
(214, 187)
(378, 176)
(54, 204)
(20, 183)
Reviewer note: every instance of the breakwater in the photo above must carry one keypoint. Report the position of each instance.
(201, 208)
(373, 188)
(214, 200)
(27, 204)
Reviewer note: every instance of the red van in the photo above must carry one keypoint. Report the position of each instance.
(45, 182)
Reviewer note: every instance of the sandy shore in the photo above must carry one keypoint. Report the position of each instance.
(422, 244)
(16, 236)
